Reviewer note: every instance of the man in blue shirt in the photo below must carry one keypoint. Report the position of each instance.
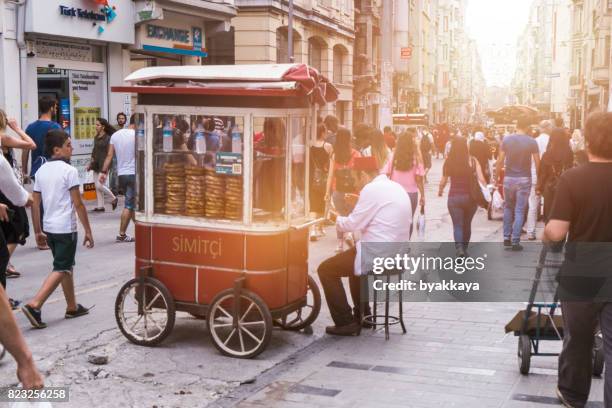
(517, 151)
(37, 131)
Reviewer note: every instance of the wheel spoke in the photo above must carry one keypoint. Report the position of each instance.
(156, 324)
(146, 329)
(223, 325)
(247, 331)
(241, 339)
(229, 337)
(136, 322)
(247, 311)
(252, 323)
(153, 301)
(225, 312)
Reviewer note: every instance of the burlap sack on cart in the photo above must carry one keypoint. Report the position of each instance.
(516, 324)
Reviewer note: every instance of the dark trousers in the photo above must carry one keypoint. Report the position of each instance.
(4, 259)
(330, 273)
(580, 320)
(461, 208)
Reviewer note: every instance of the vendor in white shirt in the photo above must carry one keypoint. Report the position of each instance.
(380, 216)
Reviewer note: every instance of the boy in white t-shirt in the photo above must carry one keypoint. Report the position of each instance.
(57, 185)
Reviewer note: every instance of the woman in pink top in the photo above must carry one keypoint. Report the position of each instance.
(405, 167)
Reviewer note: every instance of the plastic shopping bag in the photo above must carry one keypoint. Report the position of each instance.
(89, 188)
(486, 192)
(497, 202)
(420, 223)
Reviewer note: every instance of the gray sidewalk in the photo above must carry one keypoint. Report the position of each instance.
(453, 355)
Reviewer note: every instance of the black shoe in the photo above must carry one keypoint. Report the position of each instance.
(507, 243)
(80, 311)
(14, 304)
(517, 247)
(351, 329)
(34, 316)
(114, 203)
(99, 209)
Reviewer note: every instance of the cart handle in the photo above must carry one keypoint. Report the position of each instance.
(307, 224)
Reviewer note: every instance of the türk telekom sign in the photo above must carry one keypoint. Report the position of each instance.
(82, 19)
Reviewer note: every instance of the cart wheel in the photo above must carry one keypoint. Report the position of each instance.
(306, 315)
(157, 320)
(598, 356)
(524, 354)
(246, 336)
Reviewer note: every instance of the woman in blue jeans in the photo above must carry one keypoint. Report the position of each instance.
(460, 168)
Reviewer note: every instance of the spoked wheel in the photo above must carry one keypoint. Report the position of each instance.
(305, 315)
(154, 322)
(524, 354)
(598, 355)
(239, 327)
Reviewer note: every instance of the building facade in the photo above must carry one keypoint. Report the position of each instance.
(323, 37)
(590, 58)
(72, 50)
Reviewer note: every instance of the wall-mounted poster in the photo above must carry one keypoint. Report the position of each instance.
(87, 96)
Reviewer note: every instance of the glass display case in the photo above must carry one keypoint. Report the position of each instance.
(198, 167)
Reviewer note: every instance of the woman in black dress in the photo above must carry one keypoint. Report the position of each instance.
(557, 158)
(18, 229)
(319, 167)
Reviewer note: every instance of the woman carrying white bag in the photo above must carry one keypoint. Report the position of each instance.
(463, 170)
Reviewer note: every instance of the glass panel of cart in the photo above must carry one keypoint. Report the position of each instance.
(198, 166)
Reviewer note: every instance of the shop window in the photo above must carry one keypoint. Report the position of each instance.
(269, 169)
(299, 134)
(80, 97)
(198, 166)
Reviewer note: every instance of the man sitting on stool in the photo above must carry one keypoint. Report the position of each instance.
(382, 214)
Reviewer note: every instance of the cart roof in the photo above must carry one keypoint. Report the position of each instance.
(279, 80)
(214, 73)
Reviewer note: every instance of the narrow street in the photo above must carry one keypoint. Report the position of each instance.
(454, 354)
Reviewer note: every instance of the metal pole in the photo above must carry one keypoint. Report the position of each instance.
(386, 85)
(290, 33)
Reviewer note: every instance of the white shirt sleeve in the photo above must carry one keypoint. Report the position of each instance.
(10, 186)
(362, 214)
(73, 178)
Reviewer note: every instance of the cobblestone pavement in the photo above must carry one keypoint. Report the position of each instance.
(452, 355)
